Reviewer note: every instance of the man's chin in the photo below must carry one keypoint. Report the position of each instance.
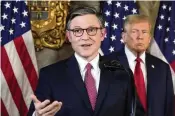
(140, 50)
(85, 55)
(88, 55)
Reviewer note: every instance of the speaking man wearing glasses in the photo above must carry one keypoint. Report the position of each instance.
(85, 84)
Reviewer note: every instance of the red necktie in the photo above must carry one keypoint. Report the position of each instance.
(140, 84)
(90, 86)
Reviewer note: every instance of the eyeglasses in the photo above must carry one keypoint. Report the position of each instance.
(78, 32)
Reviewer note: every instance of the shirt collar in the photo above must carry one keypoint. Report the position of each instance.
(132, 57)
(82, 62)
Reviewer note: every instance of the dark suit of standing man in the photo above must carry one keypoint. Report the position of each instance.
(156, 73)
(63, 89)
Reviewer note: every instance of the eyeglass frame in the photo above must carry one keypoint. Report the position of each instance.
(96, 28)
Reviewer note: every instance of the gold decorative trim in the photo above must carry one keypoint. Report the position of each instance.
(48, 21)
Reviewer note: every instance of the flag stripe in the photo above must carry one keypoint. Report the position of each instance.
(173, 65)
(12, 82)
(19, 72)
(30, 48)
(3, 109)
(10, 106)
(26, 61)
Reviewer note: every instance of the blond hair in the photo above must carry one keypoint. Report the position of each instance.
(136, 18)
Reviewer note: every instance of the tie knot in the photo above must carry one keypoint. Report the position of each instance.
(138, 59)
(88, 66)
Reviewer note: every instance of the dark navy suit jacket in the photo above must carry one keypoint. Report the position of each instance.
(159, 85)
(62, 81)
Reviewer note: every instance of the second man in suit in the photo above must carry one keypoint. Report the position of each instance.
(152, 76)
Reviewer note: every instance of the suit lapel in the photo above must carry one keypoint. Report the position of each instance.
(124, 61)
(152, 86)
(105, 78)
(74, 74)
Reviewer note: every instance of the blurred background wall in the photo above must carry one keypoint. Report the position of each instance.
(48, 56)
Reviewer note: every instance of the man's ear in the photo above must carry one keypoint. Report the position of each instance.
(150, 39)
(124, 36)
(103, 33)
(68, 36)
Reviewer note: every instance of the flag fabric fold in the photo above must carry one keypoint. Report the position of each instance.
(163, 44)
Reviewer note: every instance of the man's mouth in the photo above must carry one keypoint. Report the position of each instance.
(139, 44)
(86, 45)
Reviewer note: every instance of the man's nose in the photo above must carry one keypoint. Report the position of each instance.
(85, 36)
(140, 35)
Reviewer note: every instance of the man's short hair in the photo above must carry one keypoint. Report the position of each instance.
(83, 10)
(136, 18)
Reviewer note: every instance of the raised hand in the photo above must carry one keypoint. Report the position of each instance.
(46, 108)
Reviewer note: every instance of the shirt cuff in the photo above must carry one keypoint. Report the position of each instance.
(34, 114)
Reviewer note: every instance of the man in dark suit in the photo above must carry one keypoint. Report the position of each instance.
(152, 76)
(84, 84)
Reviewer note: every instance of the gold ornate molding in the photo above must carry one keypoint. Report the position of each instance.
(48, 20)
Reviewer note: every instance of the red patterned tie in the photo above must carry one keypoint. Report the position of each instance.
(90, 86)
(140, 84)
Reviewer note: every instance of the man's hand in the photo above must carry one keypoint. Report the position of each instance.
(46, 108)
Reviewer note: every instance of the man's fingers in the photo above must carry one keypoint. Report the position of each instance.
(34, 98)
(42, 105)
(52, 112)
(52, 108)
(43, 108)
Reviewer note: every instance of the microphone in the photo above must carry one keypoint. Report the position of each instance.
(113, 65)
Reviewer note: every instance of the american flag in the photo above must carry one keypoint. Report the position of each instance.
(19, 72)
(115, 13)
(163, 45)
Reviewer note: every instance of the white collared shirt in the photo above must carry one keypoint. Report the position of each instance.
(131, 60)
(95, 68)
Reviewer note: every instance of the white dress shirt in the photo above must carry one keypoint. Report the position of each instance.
(95, 68)
(131, 60)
